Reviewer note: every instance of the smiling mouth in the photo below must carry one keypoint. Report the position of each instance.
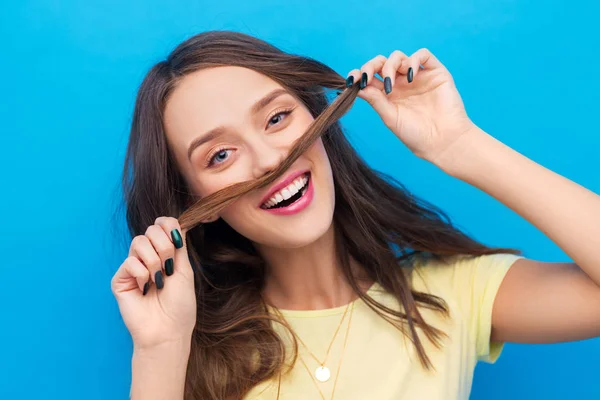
(288, 195)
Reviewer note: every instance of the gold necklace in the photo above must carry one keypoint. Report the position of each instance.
(339, 365)
(322, 373)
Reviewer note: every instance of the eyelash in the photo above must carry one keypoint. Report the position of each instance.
(212, 155)
(285, 111)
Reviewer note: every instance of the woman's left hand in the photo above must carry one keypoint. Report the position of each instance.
(424, 108)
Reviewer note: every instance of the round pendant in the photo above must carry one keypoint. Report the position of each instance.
(322, 373)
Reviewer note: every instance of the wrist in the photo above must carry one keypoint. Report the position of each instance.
(178, 347)
(449, 160)
(159, 372)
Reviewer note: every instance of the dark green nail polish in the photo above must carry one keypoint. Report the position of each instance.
(349, 81)
(409, 76)
(363, 80)
(169, 267)
(158, 278)
(176, 239)
(146, 287)
(387, 85)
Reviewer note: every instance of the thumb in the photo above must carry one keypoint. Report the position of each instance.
(379, 101)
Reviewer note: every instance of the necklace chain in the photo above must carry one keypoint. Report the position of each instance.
(339, 365)
(330, 343)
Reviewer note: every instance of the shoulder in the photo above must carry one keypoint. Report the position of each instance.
(458, 272)
(468, 284)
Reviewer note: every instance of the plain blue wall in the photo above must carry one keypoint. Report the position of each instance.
(528, 73)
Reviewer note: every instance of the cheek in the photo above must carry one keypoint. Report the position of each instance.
(301, 123)
(326, 173)
(320, 154)
(239, 214)
(245, 221)
(206, 184)
(203, 190)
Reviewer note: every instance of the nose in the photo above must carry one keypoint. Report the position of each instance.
(267, 157)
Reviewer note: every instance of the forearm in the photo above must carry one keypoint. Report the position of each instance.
(566, 212)
(159, 374)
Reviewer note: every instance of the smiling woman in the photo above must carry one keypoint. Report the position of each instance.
(288, 232)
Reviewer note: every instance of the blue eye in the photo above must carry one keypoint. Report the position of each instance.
(279, 116)
(219, 157)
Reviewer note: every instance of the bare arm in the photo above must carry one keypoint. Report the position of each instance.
(159, 374)
(539, 302)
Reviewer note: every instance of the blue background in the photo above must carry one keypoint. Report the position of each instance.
(527, 71)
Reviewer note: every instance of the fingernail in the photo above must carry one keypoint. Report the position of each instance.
(387, 85)
(169, 266)
(363, 80)
(409, 76)
(158, 277)
(350, 81)
(146, 287)
(176, 238)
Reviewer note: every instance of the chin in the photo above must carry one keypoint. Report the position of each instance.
(299, 234)
(290, 232)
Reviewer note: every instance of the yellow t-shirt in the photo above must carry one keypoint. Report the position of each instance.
(379, 362)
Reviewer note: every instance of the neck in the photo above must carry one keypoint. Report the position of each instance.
(310, 277)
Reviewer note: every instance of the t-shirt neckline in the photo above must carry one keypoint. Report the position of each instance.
(324, 311)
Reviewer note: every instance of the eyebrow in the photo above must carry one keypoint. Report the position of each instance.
(219, 130)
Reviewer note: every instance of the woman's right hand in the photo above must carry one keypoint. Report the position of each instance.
(154, 287)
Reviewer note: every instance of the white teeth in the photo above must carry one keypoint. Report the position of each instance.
(299, 184)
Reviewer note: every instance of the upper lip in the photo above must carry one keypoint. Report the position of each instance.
(281, 184)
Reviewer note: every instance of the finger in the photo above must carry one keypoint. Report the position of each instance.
(413, 68)
(380, 102)
(392, 67)
(426, 59)
(132, 274)
(163, 246)
(178, 238)
(353, 78)
(142, 249)
(419, 60)
(356, 75)
(370, 68)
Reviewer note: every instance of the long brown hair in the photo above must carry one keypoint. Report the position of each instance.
(377, 221)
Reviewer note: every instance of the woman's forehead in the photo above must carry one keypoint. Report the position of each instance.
(229, 83)
(213, 91)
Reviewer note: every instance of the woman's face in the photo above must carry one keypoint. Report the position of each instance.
(232, 124)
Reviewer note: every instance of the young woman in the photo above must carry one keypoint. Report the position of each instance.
(295, 271)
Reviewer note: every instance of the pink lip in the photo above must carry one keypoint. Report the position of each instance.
(299, 204)
(280, 185)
